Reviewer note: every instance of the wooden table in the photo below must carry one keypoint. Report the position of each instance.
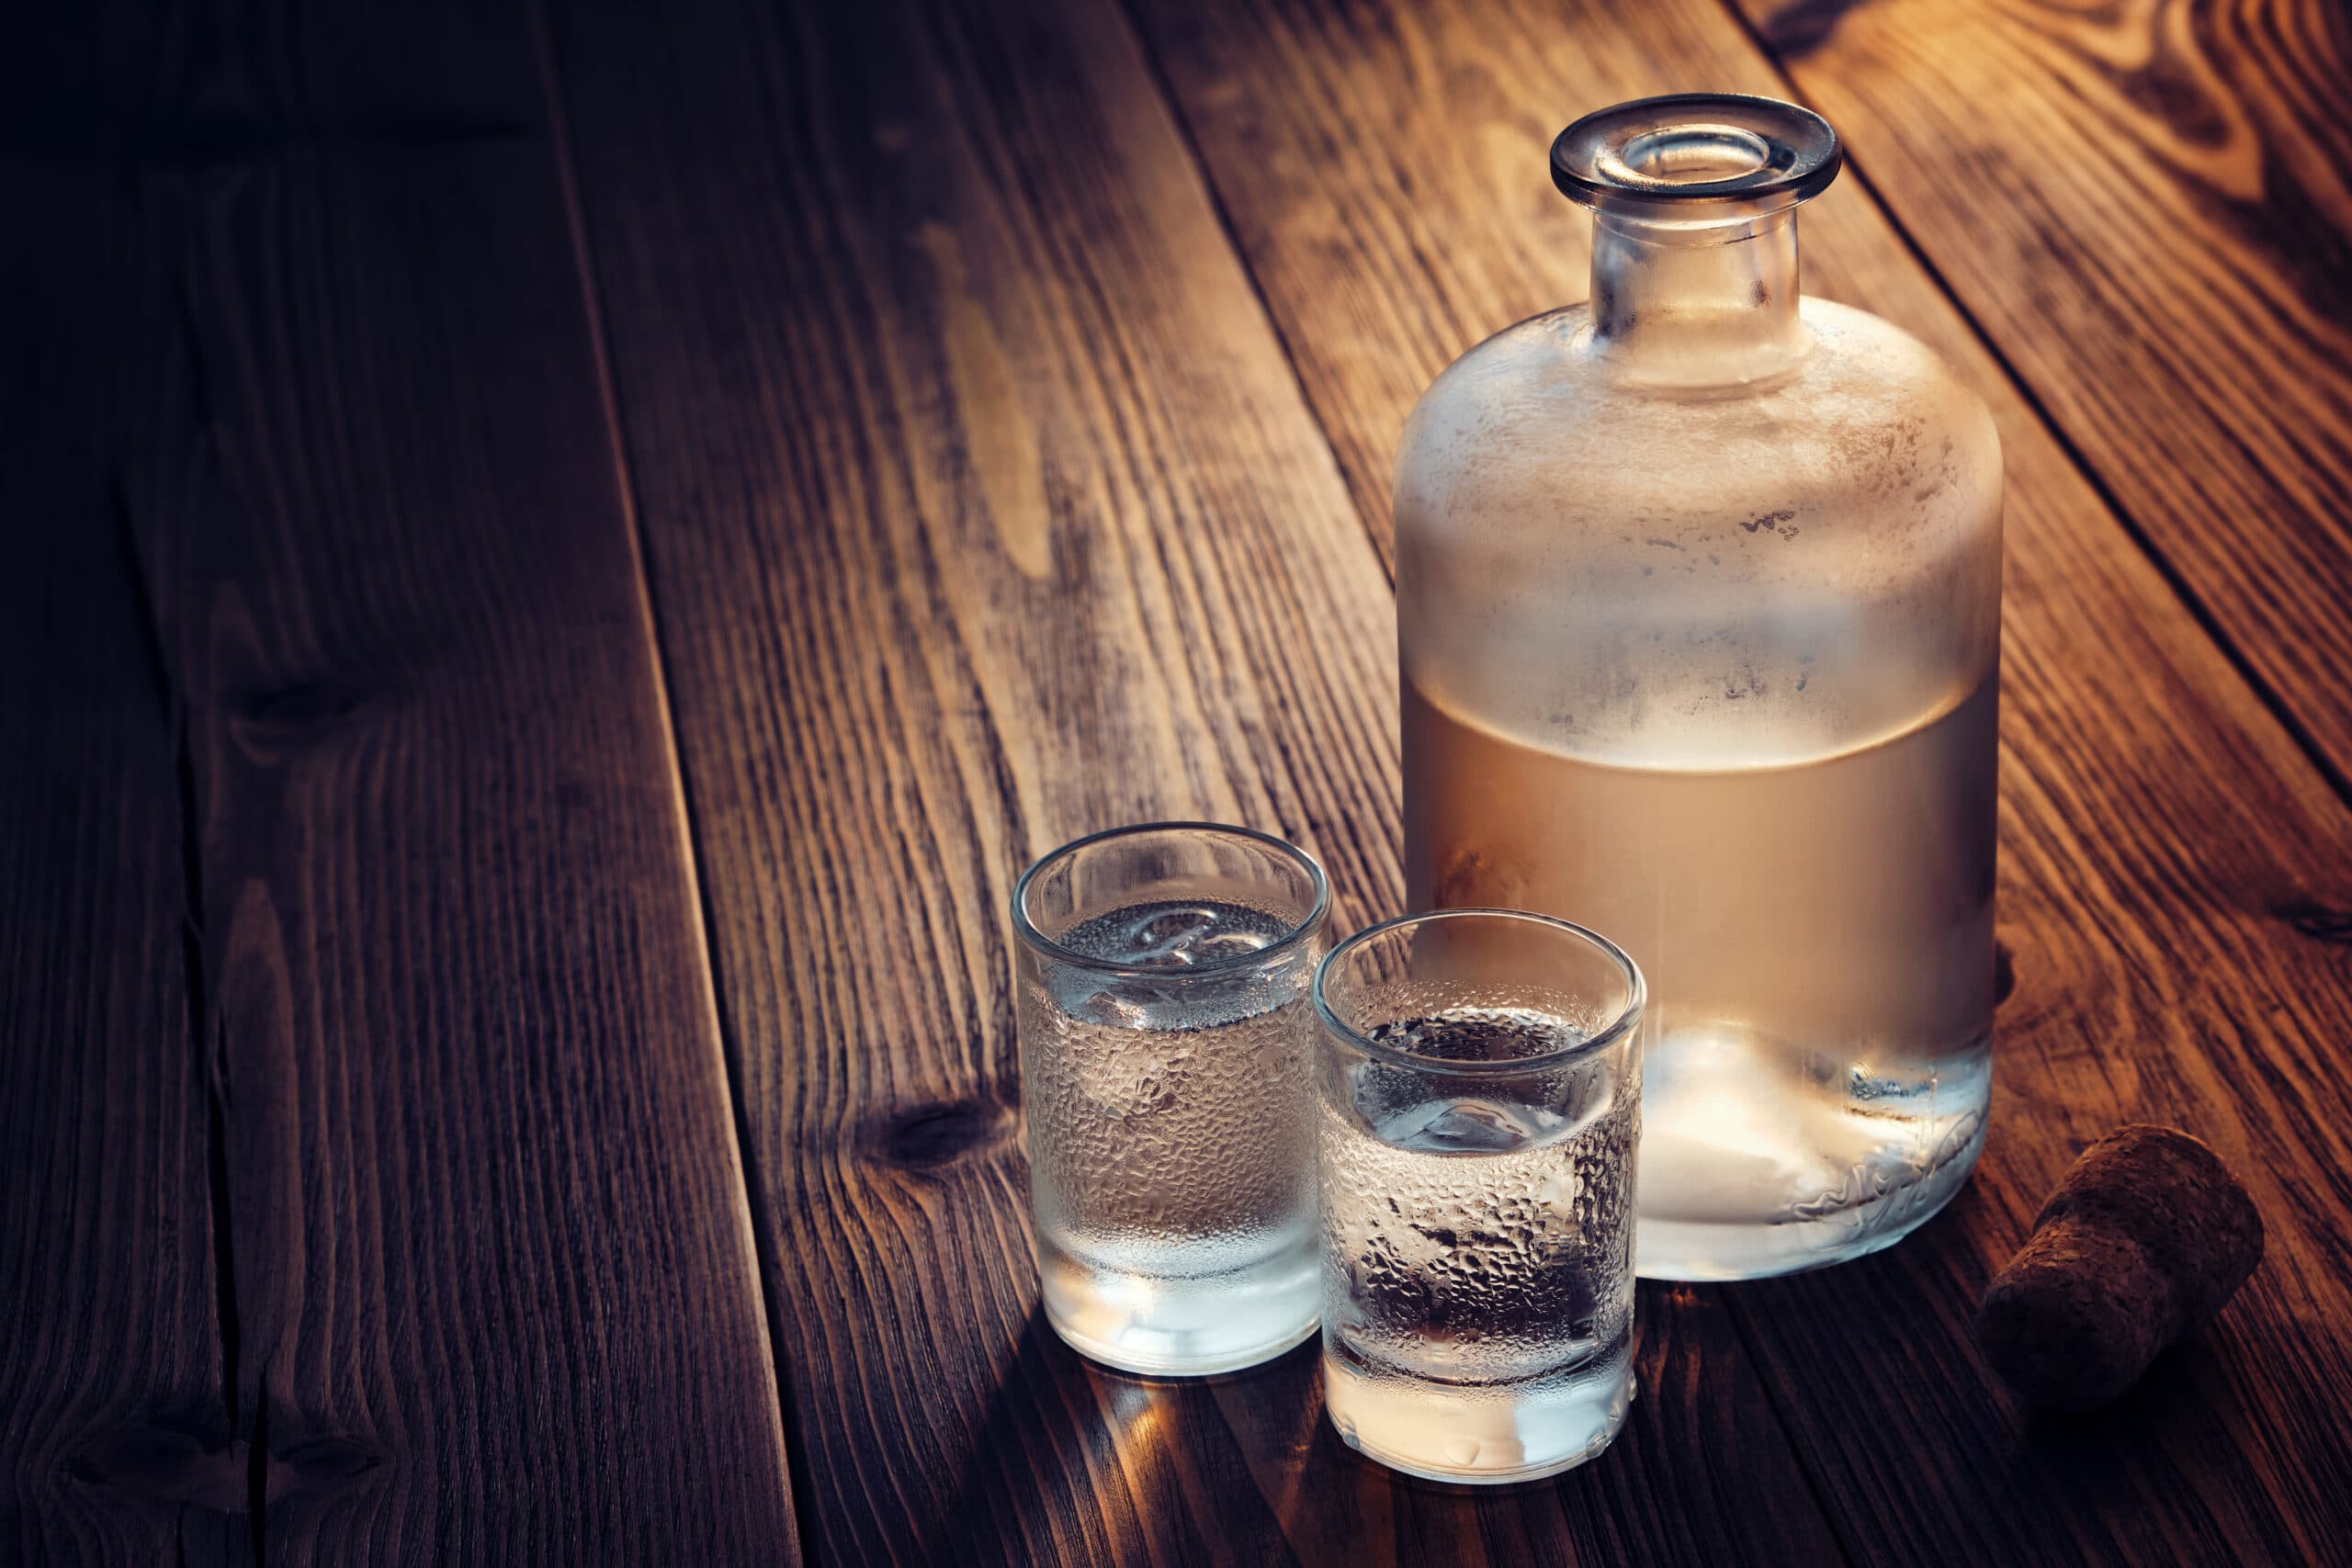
(555, 562)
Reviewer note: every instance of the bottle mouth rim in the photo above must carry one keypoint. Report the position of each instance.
(1696, 149)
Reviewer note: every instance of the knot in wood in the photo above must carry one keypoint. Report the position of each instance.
(178, 1457)
(299, 707)
(933, 1135)
(2320, 921)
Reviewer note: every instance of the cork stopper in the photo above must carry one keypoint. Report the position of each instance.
(2141, 1246)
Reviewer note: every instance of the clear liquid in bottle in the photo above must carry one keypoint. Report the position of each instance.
(1817, 936)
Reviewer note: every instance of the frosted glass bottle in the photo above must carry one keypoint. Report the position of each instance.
(1698, 609)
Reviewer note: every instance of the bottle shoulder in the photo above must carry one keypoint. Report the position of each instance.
(1769, 571)
(1541, 381)
(1533, 423)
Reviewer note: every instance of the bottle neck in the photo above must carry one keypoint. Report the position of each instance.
(1695, 303)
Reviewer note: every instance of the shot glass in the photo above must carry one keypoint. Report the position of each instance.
(1479, 1083)
(1166, 1066)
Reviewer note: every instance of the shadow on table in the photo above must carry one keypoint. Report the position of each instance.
(1077, 1461)
(2088, 1452)
(2157, 1466)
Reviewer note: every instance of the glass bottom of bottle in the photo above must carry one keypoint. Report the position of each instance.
(1757, 1161)
(1182, 1325)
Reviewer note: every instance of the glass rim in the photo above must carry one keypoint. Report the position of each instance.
(1316, 916)
(1617, 1029)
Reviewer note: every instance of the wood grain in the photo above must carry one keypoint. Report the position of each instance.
(367, 1190)
(2149, 208)
(117, 1444)
(984, 510)
(2172, 865)
(490, 1285)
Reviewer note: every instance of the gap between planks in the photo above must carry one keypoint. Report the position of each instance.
(204, 1039)
(753, 1221)
(1172, 108)
(2198, 611)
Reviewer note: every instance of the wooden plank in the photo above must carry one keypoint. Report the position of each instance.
(983, 511)
(494, 1285)
(117, 1444)
(2149, 209)
(2174, 870)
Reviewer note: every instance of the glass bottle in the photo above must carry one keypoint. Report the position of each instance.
(1699, 604)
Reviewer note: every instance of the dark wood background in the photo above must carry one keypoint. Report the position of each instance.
(555, 560)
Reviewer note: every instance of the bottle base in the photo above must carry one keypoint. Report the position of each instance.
(1757, 1159)
(1698, 1252)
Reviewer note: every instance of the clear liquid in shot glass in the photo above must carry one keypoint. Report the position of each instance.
(1478, 1294)
(1171, 1141)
